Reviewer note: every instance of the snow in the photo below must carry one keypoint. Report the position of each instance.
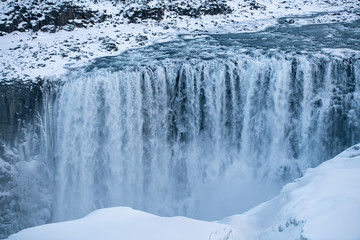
(324, 204)
(28, 55)
(126, 223)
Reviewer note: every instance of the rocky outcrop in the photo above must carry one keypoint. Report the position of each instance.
(157, 12)
(19, 104)
(54, 17)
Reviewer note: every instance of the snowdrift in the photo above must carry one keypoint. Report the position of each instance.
(323, 204)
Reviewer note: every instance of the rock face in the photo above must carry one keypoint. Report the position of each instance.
(157, 12)
(54, 17)
(20, 104)
(50, 17)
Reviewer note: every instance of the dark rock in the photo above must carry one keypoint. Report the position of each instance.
(23, 9)
(210, 7)
(135, 14)
(45, 29)
(286, 21)
(256, 6)
(111, 47)
(19, 103)
(15, 48)
(141, 38)
(74, 49)
(108, 44)
(68, 27)
(56, 16)
(290, 21)
(2, 27)
(77, 58)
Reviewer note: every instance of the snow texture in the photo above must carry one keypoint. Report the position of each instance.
(126, 223)
(324, 205)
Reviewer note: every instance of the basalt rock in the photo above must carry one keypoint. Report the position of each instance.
(25, 19)
(19, 104)
(211, 7)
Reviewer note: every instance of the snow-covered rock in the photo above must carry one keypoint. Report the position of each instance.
(36, 37)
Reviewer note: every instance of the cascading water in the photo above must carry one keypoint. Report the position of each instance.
(159, 137)
(192, 127)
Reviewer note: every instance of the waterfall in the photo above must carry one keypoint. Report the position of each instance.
(170, 139)
(203, 138)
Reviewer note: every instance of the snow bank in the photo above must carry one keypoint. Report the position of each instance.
(324, 204)
(127, 224)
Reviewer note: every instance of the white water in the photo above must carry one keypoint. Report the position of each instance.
(200, 138)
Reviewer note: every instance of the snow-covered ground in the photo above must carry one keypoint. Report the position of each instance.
(28, 55)
(324, 204)
(128, 224)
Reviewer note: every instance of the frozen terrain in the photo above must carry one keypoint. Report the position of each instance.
(34, 49)
(324, 204)
(128, 224)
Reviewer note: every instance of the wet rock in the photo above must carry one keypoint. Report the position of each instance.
(286, 21)
(19, 103)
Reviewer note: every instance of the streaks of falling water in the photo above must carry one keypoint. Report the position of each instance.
(187, 137)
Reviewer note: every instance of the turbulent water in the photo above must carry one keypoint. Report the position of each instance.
(203, 127)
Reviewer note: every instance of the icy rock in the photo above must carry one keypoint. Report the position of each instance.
(141, 38)
(111, 47)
